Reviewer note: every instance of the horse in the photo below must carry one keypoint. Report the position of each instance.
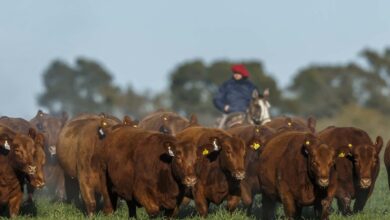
(257, 113)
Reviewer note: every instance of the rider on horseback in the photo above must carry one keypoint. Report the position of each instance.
(234, 95)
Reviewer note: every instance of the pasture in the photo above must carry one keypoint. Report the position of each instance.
(377, 208)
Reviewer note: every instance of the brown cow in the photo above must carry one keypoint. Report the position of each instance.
(166, 122)
(148, 168)
(255, 138)
(77, 144)
(284, 123)
(357, 169)
(219, 174)
(51, 126)
(20, 159)
(297, 169)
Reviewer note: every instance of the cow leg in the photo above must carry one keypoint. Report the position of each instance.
(131, 206)
(14, 204)
(200, 201)
(268, 207)
(71, 188)
(59, 184)
(147, 201)
(30, 192)
(107, 208)
(361, 199)
(344, 205)
(246, 196)
(288, 204)
(232, 202)
(88, 195)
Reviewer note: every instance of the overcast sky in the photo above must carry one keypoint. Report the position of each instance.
(140, 42)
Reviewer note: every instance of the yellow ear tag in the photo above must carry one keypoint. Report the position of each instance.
(135, 126)
(257, 130)
(256, 146)
(104, 123)
(289, 124)
(307, 143)
(205, 152)
(342, 154)
(350, 145)
(165, 119)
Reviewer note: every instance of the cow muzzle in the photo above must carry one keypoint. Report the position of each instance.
(190, 181)
(239, 175)
(365, 183)
(323, 182)
(31, 170)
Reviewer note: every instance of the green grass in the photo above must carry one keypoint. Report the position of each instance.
(377, 207)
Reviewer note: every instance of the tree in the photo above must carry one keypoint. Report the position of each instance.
(324, 90)
(87, 87)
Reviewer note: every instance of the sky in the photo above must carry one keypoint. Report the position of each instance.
(141, 42)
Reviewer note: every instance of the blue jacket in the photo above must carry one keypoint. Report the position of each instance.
(235, 93)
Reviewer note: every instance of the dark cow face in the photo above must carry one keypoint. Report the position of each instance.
(50, 127)
(232, 155)
(321, 159)
(365, 159)
(172, 124)
(183, 163)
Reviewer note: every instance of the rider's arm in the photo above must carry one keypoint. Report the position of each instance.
(219, 98)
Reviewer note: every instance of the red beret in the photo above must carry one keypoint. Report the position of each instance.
(240, 69)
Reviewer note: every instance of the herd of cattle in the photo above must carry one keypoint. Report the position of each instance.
(165, 161)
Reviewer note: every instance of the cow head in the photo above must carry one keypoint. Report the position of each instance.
(365, 159)
(320, 159)
(184, 155)
(172, 124)
(27, 155)
(50, 126)
(231, 155)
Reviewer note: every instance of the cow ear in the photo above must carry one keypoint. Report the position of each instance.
(216, 143)
(40, 113)
(193, 120)
(40, 140)
(102, 129)
(344, 151)
(32, 133)
(169, 148)
(289, 121)
(127, 120)
(311, 123)
(5, 142)
(306, 147)
(378, 144)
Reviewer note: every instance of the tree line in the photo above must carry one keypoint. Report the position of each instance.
(318, 90)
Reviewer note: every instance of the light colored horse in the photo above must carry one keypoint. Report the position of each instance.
(257, 113)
